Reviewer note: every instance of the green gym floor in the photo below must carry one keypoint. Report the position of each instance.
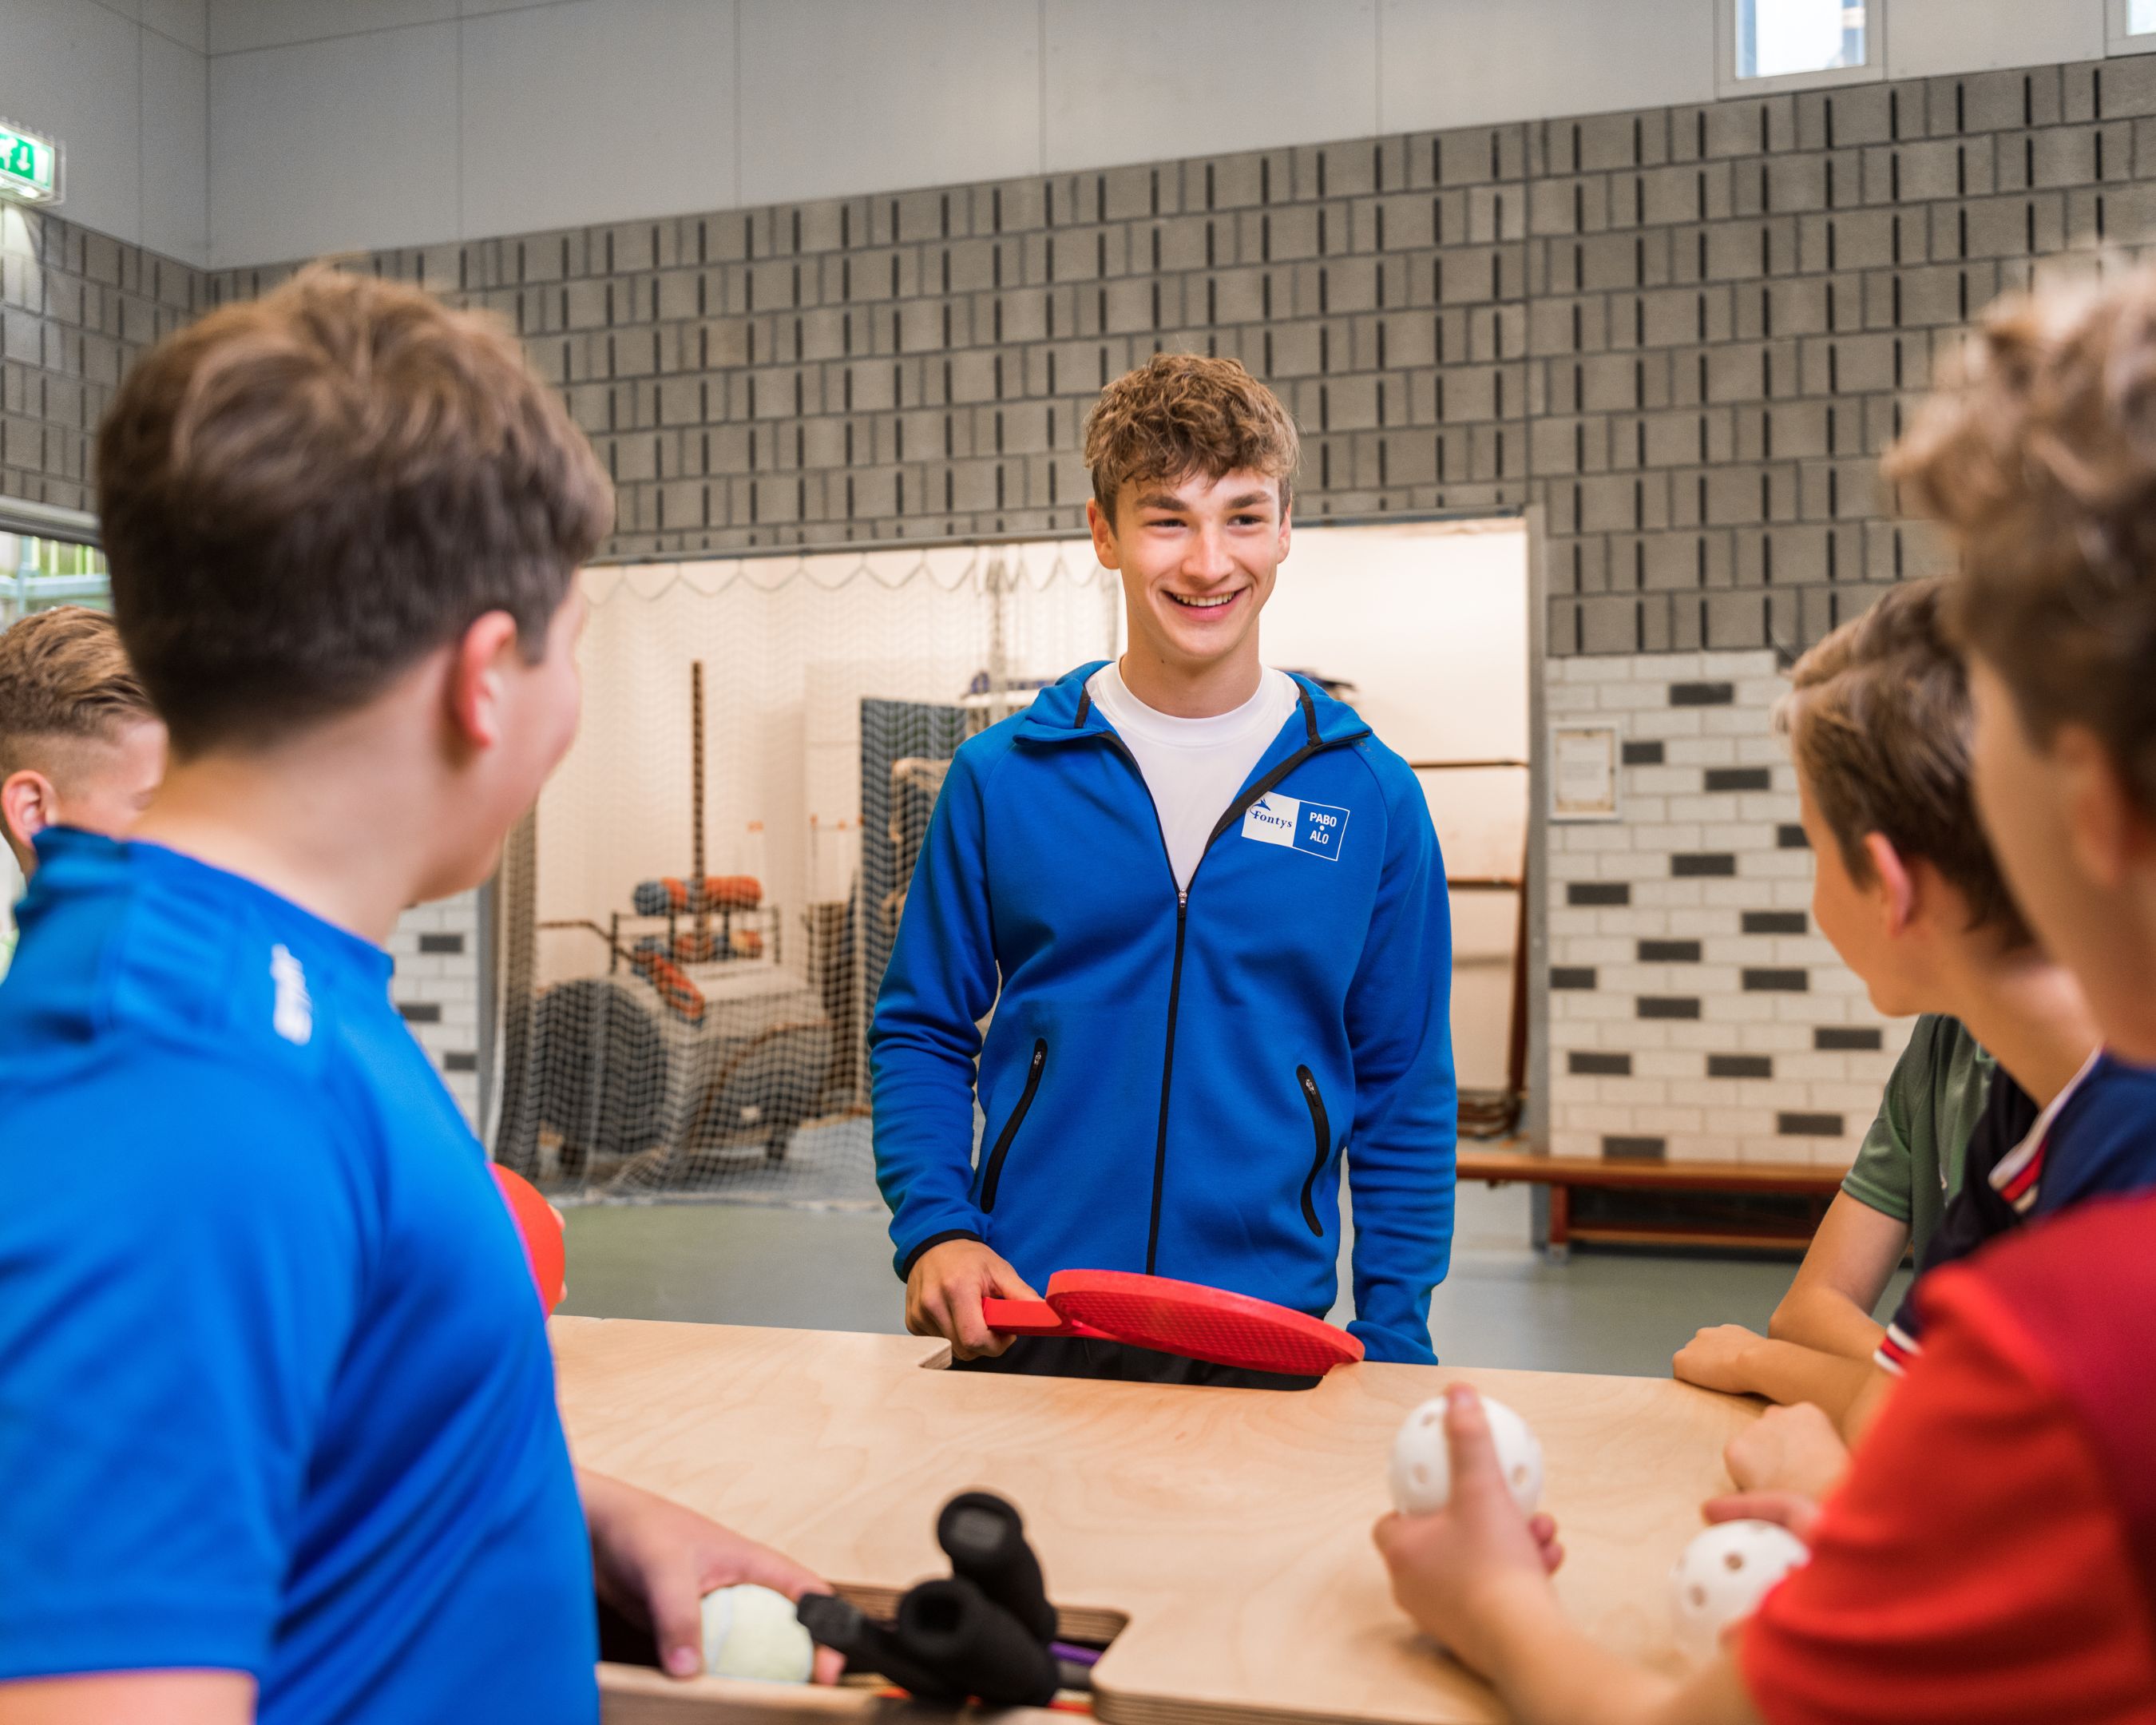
(1501, 1305)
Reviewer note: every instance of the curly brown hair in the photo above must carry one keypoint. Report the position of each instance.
(63, 675)
(2039, 457)
(1878, 721)
(303, 494)
(1181, 415)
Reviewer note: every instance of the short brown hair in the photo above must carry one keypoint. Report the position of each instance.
(303, 494)
(1878, 719)
(63, 675)
(2039, 457)
(1180, 414)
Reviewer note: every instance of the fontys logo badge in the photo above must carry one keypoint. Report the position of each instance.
(1316, 829)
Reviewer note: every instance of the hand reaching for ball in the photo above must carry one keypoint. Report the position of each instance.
(1459, 1571)
(655, 1560)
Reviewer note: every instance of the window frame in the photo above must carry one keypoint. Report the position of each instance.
(1728, 86)
(2118, 37)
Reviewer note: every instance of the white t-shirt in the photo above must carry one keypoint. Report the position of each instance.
(1194, 766)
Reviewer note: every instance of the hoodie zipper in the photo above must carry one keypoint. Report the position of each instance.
(1321, 1128)
(995, 1173)
(1236, 810)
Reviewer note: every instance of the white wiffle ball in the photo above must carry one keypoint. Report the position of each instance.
(1421, 1474)
(1723, 1575)
(750, 1631)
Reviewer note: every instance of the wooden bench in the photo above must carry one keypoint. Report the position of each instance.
(1815, 1186)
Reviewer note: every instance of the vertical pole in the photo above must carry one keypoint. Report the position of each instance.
(696, 894)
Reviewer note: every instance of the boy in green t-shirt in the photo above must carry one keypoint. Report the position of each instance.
(1910, 1162)
(1878, 718)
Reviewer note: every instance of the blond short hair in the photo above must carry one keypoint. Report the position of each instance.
(64, 676)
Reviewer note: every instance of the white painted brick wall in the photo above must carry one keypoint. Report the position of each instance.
(438, 991)
(1667, 810)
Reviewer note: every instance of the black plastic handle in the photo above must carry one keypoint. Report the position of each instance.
(956, 1630)
(872, 1646)
(985, 1540)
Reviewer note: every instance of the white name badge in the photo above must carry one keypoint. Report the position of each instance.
(1315, 829)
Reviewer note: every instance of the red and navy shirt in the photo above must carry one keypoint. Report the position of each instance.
(2096, 1138)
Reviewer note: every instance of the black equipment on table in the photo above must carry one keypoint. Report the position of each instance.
(984, 1632)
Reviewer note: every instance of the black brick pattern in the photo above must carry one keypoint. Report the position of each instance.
(1777, 923)
(1585, 1063)
(1669, 952)
(1684, 866)
(1777, 982)
(1665, 1006)
(1808, 1125)
(1847, 1038)
(441, 943)
(1739, 1067)
(1565, 976)
(1597, 892)
(420, 1012)
(1635, 1149)
(1739, 778)
(1643, 754)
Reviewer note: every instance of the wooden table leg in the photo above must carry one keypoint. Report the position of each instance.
(1560, 1222)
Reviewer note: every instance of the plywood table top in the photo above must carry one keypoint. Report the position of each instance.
(1227, 1532)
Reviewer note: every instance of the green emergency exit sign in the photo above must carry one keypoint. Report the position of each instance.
(29, 165)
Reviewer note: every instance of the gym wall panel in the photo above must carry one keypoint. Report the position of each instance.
(237, 25)
(596, 111)
(1926, 38)
(336, 145)
(73, 71)
(870, 95)
(1133, 80)
(175, 150)
(1465, 62)
(184, 21)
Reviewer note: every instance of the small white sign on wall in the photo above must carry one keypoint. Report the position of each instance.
(1584, 771)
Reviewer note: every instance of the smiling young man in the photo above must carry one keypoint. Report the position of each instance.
(1206, 908)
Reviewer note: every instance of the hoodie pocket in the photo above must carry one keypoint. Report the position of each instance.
(1321, 1129)
(993, 1177)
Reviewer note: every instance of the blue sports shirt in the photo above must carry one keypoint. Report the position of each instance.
(275, 1395)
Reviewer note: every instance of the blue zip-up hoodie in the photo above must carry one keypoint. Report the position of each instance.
(1171, 1081)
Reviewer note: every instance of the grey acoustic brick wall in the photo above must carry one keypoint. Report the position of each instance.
(1687, 332)
(76, 307)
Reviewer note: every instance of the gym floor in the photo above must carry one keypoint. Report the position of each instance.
(1501, 1305)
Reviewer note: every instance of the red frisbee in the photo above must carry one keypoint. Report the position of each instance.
(541, 1230)
(1178, 1317)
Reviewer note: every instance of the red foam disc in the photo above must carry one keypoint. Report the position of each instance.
(1198, 1322)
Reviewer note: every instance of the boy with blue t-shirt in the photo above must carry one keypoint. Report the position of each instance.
(277, 1411)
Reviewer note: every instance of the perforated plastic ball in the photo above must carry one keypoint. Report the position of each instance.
(750, 1631)
(1723, 1576)
(1421, 1475)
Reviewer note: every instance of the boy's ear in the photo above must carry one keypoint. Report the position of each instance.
(1101, 523)
(1893, 879)
(27, 804)
(477, 663)
(2106, 830)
